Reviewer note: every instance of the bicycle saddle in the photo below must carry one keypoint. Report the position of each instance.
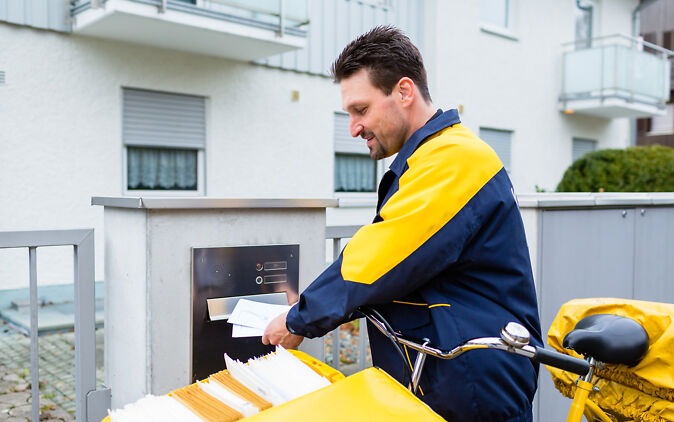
(609, 339)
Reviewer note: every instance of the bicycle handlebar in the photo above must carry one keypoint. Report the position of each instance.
(561, 361)
(535, 353)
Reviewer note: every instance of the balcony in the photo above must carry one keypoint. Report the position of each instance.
(615, 76)
(239, 30)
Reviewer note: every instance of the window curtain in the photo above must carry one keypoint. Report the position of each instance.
(354, 173)
(162, 169)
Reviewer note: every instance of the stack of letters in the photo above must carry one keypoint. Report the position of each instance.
(242, 390)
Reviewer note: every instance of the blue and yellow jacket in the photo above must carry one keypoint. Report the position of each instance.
(446, 259)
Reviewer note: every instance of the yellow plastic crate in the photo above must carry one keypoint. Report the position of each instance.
(370, 395)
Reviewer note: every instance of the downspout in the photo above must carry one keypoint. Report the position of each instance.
(587, 9)
(635, 15)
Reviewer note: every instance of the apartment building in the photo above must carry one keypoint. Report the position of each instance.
(225, 98)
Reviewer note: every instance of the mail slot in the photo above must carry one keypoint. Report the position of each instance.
(222, 276)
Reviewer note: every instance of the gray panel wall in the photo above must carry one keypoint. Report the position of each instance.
(584, 253)
(334, 23)
(44, 14)
(654, 253)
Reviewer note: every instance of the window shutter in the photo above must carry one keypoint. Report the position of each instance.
(582, 147)
(344, 142)
(158, 119)
(500, 141)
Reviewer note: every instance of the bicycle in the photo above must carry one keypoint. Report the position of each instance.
(599, 338)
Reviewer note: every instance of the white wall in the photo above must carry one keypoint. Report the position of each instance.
(514, 84)
(60, 120)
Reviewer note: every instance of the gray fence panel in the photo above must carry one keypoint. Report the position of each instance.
(34, 351)
(91, 404)
(85, 325)
(654, 249)
(584, 253)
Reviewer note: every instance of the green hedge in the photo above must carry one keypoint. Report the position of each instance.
(635, 169)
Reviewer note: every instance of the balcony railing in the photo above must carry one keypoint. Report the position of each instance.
(615, 76)
(238, 29)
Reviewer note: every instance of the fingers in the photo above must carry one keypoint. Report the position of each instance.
(291, 341)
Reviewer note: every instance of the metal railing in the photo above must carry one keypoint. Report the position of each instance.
(616, 66)
(282, 16)
(91, 404)
(337, 233)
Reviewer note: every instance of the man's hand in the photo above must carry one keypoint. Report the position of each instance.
(277, 333)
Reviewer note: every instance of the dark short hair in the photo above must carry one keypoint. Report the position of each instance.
(388, 55)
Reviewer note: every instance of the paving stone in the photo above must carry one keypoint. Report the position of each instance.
(59, 414)
(57, 366)
(23, 411)
(5, 386)
(21, 387)
(15, 399)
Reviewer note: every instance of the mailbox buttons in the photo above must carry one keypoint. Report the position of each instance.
(258, 280)
(259, 267)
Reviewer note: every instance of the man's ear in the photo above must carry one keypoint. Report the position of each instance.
(405, 91)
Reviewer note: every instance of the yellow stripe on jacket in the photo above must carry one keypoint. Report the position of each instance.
(443, 175)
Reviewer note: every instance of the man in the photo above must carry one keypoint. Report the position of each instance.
(445, 258)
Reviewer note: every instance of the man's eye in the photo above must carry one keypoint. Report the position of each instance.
(361, 110)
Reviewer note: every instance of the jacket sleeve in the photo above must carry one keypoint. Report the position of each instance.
(413, 243)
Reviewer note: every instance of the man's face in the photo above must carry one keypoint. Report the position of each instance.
(374, 116)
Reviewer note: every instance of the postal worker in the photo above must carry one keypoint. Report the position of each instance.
(446, 256)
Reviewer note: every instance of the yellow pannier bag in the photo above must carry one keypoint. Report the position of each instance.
(644, 392)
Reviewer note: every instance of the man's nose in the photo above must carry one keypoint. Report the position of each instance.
(356, 128)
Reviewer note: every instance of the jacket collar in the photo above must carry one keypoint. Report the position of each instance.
(445, 120)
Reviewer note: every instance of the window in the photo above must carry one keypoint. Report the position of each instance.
(355, 171)
(662, 125)
(500, 140)
(161, 169)
(581, 147)
(497, 16)
(164, 138)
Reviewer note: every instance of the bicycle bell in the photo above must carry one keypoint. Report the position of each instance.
(515, 334)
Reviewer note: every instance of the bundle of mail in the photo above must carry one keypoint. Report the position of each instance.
(242, 390)
(250, 318)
